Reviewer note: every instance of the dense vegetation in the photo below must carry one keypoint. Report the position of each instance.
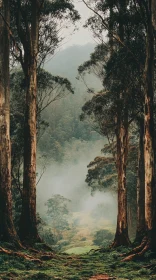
(43, 124)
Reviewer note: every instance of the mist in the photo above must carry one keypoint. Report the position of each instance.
(70, 146)
(91, 212)
(68, 179)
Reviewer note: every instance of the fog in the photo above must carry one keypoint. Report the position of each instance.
(82, 35)
(68, 180)
(66, 177)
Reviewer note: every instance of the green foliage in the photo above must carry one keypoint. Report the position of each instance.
(47, 235)
(58, 212)
(101, 236)
(41, 276)
(117, 63)
(53, 16)
(65, 134)
(102, 174)
(60, 9)
(50, 88)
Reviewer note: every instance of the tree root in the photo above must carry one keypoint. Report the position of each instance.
(38, 256)
(43, 247)
(137, 249)
(47, 257)
(47, 248)
(138, 252)
(151, 266)
(33, 250)
(19, 254)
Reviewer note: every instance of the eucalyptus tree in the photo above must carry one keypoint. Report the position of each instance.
(154, 14)
(7, 230)
(36, 26)
(122, 74)
(148, 14)
(50, 89)
(150, 208)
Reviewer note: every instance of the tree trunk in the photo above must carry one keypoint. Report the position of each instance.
(7, 230)
(140, 232)
(149, 242)
(110, 33)
(154, 13)
(150, 220)
(121, 236)
(130, 218)
(28, 221)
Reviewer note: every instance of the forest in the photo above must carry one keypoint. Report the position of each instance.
(78, 139)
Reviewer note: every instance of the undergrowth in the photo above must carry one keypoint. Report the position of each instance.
(82, 267)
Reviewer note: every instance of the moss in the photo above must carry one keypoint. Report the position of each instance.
(73, 267)
(40, 276)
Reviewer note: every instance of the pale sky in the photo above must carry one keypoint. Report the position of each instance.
(83, 35)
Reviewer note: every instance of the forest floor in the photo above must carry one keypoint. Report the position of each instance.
(95, 265)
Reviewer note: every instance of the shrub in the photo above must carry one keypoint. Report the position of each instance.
(101, 236)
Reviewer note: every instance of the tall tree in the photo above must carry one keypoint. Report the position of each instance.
(36, 33)
(150, 220)
(7, 230)
(120, 82)
(149, 242)
(154, 13)
(140, 232)
(28, 228)
(149, 125)
(49, 89)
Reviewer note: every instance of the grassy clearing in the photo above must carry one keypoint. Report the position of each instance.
(80, 250)
(74, 267)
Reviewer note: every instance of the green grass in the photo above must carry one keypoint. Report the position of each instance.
(76, 267)
(80, 250)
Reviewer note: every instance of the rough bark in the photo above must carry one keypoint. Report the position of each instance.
(154, 13)
(28, 221)
(150, 222)
(121, 236)
(149, 241)
(7, 230)
(140, 232)
(130, 219)
(110, 35)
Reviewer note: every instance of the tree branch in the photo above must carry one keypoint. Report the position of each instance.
(114, 35)
(11, 35)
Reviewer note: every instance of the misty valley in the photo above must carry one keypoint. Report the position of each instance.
(77, 140)
(69, 211)
(73, 217)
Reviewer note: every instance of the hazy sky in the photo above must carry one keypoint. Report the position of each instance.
(83, 35)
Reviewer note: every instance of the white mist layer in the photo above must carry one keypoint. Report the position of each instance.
(68, 180)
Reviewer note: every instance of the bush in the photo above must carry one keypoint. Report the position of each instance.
(47, 236)
(83, 239)
(101, 236)
(41, 276)
(62, 243)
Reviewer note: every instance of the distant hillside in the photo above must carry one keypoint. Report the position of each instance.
(66, 62)
(62, 139)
